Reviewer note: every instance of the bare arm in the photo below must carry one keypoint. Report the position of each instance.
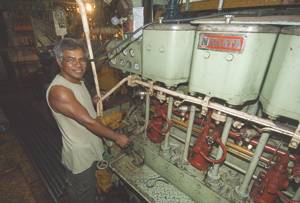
(62, 100)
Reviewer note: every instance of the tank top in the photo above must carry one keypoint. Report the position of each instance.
(80, 146)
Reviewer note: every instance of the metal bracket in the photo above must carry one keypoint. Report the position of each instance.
(205, 106)
(131, 79)
(161, 96)
(178, 103)
(295, 139)
(151, 90)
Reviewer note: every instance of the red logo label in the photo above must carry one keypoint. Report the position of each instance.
(221, 42)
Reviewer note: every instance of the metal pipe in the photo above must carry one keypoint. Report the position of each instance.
(245, 151)
(151, 11)
(188, 134)
(187, 5)
(252, 118)
(242, 190)
(114, 88)
(166, 144)
(147, 113)
(272, 127)
(272, 149)
(214, 172)
(297, 195)
(220, 6)
(86, 29)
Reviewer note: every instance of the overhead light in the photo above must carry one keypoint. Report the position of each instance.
(89, 7)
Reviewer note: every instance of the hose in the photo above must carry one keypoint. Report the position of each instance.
(223, 157)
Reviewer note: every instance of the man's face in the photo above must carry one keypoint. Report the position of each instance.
(73, 65)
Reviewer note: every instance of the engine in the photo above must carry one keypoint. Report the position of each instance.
(217, 111)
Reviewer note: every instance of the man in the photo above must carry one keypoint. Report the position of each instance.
(72, 108)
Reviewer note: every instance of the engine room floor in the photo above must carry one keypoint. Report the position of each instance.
(19, 181)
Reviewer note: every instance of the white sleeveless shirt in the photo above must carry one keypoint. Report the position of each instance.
(80, 146)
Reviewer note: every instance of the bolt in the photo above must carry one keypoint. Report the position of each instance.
(228, 18)
(293, 144)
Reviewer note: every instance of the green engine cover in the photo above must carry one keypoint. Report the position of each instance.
(230, 61)
(280, 94)
(167, 53)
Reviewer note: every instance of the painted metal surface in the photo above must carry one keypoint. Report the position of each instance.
(263, 20)
(231, 65)
(149, 184)
(167, 53)
(188, 182)
(280, 95)
(126, 58)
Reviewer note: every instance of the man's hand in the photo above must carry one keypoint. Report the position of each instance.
(122, 140)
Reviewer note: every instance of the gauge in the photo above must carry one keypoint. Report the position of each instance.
(128, 64)
(113, 60)
(136, 66)
(131, 52)
(122, 62)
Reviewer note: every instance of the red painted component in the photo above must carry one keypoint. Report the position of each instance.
(296, 168)
(199, 156)
(236, 136)
(154, 130)
(269, 183)
(217, 139)
(157, 128)
(272, 149)
(201, 147)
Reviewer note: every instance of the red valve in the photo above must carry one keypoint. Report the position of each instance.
(156, 128)
(269, 183)
(296, 168)
(199, 156)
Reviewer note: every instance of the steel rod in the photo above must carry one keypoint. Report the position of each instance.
(187, 5)
(214, 172)
(220, 6)
(86, 30)
(147, 113)
(188, 134)
(166, 144)
(242, 190)
(117, 86)
(297, 194)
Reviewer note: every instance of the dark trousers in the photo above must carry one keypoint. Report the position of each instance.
(82, 186)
